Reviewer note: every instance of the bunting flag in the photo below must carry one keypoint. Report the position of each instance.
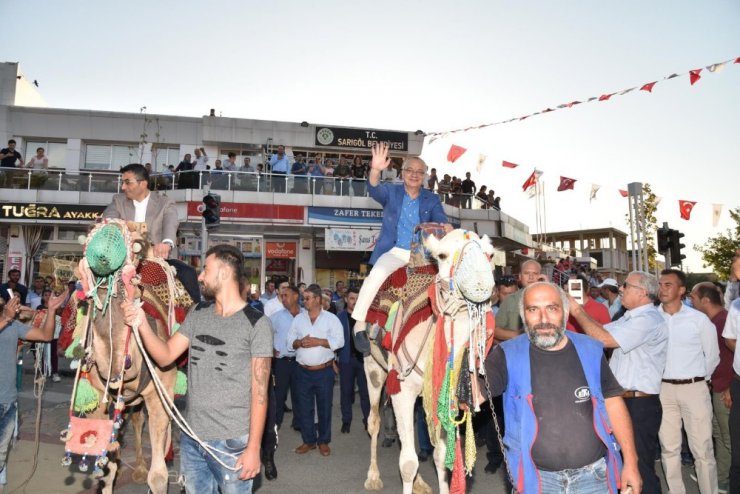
(455, 152)
(566, 183)
(694, 76)
(481, 160)
(686, 207)
(530, 181)
(657, 200)
(594, 189)
(508, 164)
(716, 212)
(623, 193)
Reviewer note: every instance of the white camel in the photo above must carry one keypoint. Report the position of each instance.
(464, 258)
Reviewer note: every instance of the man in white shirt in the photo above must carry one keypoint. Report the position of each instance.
(315, 335)
(693, 354)
(35, 296)
(137, 203)
(201, 160)
(275, 304)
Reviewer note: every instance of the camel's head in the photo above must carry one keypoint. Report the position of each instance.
(110, 244)
(464, 259)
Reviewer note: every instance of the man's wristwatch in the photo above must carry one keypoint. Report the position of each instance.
(169, 242)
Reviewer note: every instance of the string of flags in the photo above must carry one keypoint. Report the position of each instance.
(693, 75)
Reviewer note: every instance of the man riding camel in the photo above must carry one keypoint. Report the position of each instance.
(405, 206)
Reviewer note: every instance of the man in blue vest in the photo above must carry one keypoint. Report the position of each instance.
(405, 206)
(564, 413)
(351, 367)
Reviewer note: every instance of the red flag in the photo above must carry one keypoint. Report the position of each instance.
(623, 193)
(686, 207)
(530, 181)
(694, 76)
(737, 60)
(566, 183)
(648, 87)
(605, 97)
(508, 164)
(455, 152)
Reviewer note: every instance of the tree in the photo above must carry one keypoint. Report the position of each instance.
(651, 223)
(719, 251)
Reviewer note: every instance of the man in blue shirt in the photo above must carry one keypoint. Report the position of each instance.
(351, 367)
(10, 332)
(404, 207)
(283, 363)
(279, 166)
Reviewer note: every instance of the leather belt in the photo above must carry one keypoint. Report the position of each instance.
(289, 359)
(684, 381)
(636, 394)
(317, 367)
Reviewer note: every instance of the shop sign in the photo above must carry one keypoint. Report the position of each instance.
(277, 266)
(236, 211)
(280, 250)
(360, 138)
(64, 212)
(344, 216)
(350, 239)
(15, 262)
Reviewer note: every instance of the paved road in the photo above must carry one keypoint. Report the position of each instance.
(343, 472)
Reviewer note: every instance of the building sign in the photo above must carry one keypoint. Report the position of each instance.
(280, 250)
(350, 239)
(247, 212)
(360, 138)
(56, 212)
(344, 216)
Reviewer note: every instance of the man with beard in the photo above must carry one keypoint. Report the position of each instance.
(640, 343)
(230, 347)
(561, 403)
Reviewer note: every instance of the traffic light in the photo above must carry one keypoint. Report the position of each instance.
(676, 246)
(664, 240)
(212, 210)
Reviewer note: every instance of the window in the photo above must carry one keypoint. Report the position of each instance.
(110, 156)
(163, 157)
(56, 152)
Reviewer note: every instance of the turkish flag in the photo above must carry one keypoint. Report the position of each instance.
(648, 87)
(455, 152)
(686, 207)
(694, 76)
(508, 164)
(566, 183)
(605, 97)
(530, 181)
(623, 193)
(737, 60)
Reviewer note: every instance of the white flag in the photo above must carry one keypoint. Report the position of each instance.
(481, 159)
(657, 200)
(716, 212)
(594, 189)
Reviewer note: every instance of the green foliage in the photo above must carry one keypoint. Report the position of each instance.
(718, 251)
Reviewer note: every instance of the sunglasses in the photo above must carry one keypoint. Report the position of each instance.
(507, 281)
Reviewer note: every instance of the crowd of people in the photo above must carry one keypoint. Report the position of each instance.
(462, 193)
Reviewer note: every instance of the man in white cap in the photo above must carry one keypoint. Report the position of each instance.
(610, 291)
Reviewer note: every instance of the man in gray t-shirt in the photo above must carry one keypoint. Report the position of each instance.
(230, 346)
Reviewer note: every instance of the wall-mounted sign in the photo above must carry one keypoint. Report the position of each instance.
(280, 250)
(247, 212)
(344, 216)
(56, 212)
(350, 239)
(360, 138)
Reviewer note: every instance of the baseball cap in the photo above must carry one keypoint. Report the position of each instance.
(609, 282)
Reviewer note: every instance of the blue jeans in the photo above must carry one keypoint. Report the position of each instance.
(590, 479)
(7, 426)
(204, 475)
(422, 431)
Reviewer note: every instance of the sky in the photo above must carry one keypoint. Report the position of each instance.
(434, 66)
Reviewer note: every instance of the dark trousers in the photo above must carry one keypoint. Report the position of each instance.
(315, 390)
(284, 371)
(646, 414)
(349, 372)
(270, 435)
(278, 181)
(422, 430)
(735, 437)
(493, 446)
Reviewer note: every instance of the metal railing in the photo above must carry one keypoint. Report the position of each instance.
(110, 181)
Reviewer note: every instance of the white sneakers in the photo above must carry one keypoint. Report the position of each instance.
(55, 377)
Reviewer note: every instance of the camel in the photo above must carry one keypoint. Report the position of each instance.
(112, 362)
(464, 272)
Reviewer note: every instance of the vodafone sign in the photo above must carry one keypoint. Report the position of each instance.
(280, 250)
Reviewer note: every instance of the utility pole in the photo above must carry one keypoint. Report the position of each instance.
(638, 226)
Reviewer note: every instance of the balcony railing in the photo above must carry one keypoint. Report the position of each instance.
(109, 181)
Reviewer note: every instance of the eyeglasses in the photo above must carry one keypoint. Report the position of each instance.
(507, 281)
(625, 285)
(413, 172)
(128, 182)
